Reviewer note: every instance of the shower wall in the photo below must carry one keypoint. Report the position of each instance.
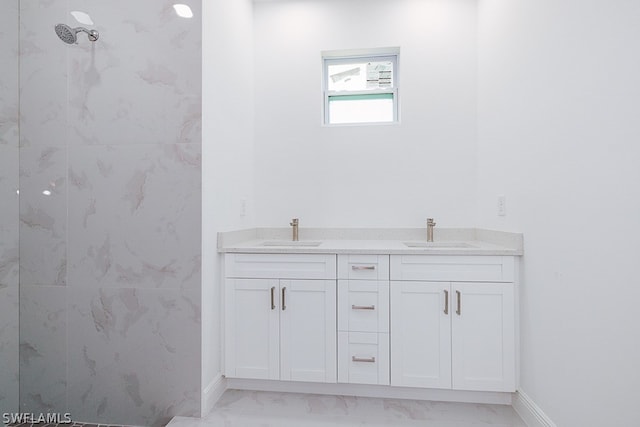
(8, 206)
(110, 212)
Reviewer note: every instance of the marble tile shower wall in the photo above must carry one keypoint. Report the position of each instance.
(8, 205)
(110, 212)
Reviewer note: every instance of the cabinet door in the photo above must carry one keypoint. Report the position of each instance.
(252, 329)
(420, 334)
(483, 333)
(308, 332)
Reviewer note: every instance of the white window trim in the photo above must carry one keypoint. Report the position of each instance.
(346, 57)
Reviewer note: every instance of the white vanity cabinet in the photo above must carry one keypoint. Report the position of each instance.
(430, 321)
(280, 317)
(453, 322)
(363, 319)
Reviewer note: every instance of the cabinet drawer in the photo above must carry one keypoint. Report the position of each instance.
(363, 306)
(281, 266)
(367, 267)
(363, 358)
(452, 268)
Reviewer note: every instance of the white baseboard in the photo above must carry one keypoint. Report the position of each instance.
(530, 413)
(372, 391)
(212, 393)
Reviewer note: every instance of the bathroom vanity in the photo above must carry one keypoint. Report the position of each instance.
(390, 312)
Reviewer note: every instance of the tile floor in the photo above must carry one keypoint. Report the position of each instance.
(269, 409)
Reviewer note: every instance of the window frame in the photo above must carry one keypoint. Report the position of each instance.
(347, 57)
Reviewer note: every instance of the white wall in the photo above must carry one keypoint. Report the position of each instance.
(559, 102)
(557, 105)
(390, 175)
(227, 146)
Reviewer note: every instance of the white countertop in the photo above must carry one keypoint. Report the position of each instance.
(471, 241)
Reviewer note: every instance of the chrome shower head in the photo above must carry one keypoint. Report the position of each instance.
(66, 34)
(70, 35)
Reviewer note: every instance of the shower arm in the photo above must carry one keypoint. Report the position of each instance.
(92, 34)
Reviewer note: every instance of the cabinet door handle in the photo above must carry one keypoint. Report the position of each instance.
(458, 299)
(284, 306)
(446, 301)
(273, 298)
(363, 267)
(363, 307)
(363, 359)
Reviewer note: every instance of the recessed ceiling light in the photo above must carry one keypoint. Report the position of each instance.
(82, 17)
(183, 11)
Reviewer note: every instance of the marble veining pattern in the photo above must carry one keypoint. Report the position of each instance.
(43, 216)
(9, 211)
(9, 206)
(9, 278)
(152, 97)
(8, 348)
(110, 282)
(43, 348)
(135, 354)
(134, 216)
(269, 409)
(43, 74)
(9, 73)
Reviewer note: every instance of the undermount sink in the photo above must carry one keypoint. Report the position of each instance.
(289, 243)
(438, 245)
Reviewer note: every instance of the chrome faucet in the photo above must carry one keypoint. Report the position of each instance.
(430, 225)
(294, 223)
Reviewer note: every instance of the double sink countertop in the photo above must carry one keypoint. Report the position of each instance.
(381, 241)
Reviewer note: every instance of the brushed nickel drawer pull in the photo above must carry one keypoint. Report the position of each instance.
(284, 305)
(458, 298)
(363, 359)
(363, 307)
(363, 267)
(446, 301)
(273, 298)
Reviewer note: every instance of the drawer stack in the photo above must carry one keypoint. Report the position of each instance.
(363, 319)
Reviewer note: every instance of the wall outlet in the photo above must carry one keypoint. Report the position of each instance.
(502, 205)
(243, 207)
